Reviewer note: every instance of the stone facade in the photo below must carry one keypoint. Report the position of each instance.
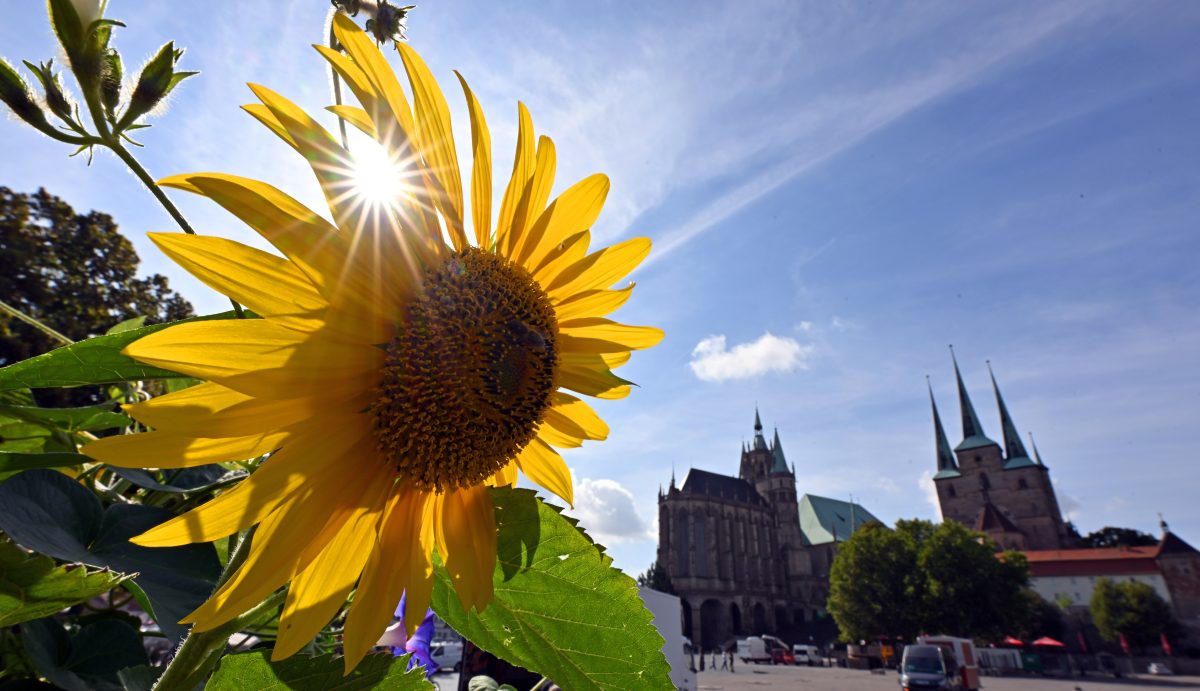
(735, 553)
(998, 491)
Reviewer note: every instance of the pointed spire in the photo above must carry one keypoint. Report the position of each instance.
(945, 457)
(760, 443)
(779, 464)
(1162, 525)
(973, 436)
(672, 475)
(1014, 449)
(1036, 456)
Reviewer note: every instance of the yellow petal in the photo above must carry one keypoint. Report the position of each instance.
(592, 303)
(374, 67)
(355, 116)
(211, 410)
(573, 416)
(319, 591)
(481, 171)
(615, 360)
(600, 269)
(266, 117)
(588, 375)
(437, 141)
(401, 561)
(271, 286)
(505, 477)
(565, 255)
(259, 358)
(308, 522)
(556, 437)
(600, 335)
(465, 532)
(574, 211)
(544, 466)
(310, 461)
(165, 450)
(523, 165)
(533, 199)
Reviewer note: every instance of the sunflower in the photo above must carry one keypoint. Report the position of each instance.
(400, 367)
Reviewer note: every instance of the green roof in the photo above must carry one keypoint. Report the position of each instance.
(824, 520)
(941, 474)
(779, 463)
(1019, 462)
(977, 441)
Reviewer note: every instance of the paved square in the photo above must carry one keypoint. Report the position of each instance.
(758, 677)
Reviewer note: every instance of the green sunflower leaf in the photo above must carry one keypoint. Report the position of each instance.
(560, 608)
(32, 586)
(254, 670)
(94, 361)
(86, 419)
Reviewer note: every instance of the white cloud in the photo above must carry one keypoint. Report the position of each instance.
(606, 510)
(712, 361)
(925, 484)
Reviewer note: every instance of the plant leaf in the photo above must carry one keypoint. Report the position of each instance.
(88, 660)
(94, 361)
(32, 586)
(254, 670)
(87, 419)
(177, 481)
(560, 608)
(47, 512)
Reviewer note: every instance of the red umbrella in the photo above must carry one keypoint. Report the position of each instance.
(1048, 642)
(1009, 640)
(1124, 644)
(1166, 645)
(1082, 641)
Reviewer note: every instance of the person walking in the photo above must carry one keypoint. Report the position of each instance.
(725, 661)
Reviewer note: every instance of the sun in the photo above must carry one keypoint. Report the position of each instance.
(378, 178)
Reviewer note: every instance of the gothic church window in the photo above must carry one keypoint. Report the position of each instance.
(701, 548)
(950, 492)
(1021, 484)
(683, 550)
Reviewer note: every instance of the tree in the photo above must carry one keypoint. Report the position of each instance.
(73, 272)
(874, 588)
(656, 577)
(1109, 536)
(926, 578)
(1040, 618)
(1132, 608)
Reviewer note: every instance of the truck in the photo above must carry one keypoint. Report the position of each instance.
(753, 649)
(668, 619)
(962, 651)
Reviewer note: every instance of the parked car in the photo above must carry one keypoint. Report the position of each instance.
(447, 654)
(782, 656)
(928, 667)
(1159, 669)
(806, 654)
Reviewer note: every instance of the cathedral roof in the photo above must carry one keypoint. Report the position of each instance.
(1173, 544)
(760, 442)
(991, 519)
(779, 463)
(973, 436)
(716, 485)
(1014, 448)
(824, 520)
(946, 464)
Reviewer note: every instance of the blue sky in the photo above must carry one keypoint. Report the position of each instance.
(836, 191)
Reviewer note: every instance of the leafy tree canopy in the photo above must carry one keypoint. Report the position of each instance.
(73, 272)
(923, 577)
(1119, 537)
(1132, 608)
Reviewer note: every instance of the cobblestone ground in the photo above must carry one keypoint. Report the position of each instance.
(756, 678)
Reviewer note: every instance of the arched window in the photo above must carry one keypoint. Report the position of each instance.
(1021, 484)
(950, 492)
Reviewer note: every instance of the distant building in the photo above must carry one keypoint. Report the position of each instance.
(1172, 568)
(1002, 492)
(747, 557)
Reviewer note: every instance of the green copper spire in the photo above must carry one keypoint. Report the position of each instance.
(779, 464)
(973, 436)
(760, 442)
(1015, 455)
(946, 465)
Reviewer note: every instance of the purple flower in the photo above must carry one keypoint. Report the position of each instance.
(395, 638)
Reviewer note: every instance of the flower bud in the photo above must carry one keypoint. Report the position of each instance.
(110, 83)
(56, 99)
(155, 82)
(16, 96)
(384, 21)
(88, 11)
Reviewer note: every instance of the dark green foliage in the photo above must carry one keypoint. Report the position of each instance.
(1109, 536)
(74, 273)
(656, 577)
(1042, 618)
(926, 578)
(1132, 608)
(254, 670)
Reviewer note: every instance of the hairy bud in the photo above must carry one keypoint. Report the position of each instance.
(157, 80)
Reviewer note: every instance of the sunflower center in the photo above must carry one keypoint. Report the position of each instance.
(469, 374)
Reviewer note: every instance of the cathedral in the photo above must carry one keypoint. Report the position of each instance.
(745, 555)
(999, 491)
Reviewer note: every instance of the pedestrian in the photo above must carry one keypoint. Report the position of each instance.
(731, 656)
(724, 661)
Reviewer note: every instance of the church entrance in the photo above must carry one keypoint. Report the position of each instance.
(687, 620)
(735, 617)
(710, 625)
(760, 619)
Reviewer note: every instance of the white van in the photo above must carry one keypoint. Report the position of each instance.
(753, 649)
(806, 655)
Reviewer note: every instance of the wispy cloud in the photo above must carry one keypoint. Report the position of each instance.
(606, 509)
(713, 361)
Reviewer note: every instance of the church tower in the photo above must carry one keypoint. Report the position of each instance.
(998, 491)
(764, 465)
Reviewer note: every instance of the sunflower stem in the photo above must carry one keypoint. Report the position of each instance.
(13, 311)
(337, 82)
(201, 651)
